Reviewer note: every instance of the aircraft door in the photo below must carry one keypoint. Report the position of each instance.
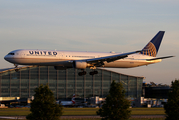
(60, 55)
(22, 55)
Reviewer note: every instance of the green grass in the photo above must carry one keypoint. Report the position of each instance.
(147, 111)
(14, 111)
(81, 111)
(135, 111)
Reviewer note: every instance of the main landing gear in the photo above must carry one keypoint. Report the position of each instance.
(93, 72)
(84, 73)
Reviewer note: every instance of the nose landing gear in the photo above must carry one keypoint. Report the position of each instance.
(16, 67)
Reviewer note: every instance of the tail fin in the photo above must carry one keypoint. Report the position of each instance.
(152, 47)
(73, 99)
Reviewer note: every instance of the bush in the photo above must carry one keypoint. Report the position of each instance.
(116, 105)
(172, 106)
(44, 106)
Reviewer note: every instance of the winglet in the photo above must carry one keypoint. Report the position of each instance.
(152, 47)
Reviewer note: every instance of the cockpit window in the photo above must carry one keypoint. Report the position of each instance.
(11, 54)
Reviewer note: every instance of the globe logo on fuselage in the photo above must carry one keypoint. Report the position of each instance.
(43, 53)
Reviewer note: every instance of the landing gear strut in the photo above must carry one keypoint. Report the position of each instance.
(16, 67)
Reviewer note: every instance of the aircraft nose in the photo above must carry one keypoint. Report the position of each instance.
(5, 57)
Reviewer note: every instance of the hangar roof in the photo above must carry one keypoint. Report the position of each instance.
(12, 69)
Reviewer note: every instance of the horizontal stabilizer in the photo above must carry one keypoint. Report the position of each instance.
(160, 58)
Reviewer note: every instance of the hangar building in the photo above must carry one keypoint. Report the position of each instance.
(65, 83)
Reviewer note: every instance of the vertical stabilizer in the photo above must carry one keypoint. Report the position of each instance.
(152, 47)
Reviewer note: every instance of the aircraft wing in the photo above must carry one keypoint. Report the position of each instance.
(159, 58)
(109, 58)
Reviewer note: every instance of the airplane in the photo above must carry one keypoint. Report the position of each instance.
(62, 60)
(68, 103)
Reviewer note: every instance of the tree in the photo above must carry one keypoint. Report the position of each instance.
(172, 106)
(44, 106)
(116, 105)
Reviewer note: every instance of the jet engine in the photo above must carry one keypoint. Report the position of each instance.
(79, 64)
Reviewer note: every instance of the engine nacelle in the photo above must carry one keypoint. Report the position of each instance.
(60, 68)
(79, 64)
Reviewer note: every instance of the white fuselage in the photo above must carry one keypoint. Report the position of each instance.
(64, 58)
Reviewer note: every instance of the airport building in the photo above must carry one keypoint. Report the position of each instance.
(65, 83)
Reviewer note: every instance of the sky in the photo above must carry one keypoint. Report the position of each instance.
(94, 25)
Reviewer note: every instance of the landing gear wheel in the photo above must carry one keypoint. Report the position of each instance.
(82, 73)
(93, 72)
(16, 70)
